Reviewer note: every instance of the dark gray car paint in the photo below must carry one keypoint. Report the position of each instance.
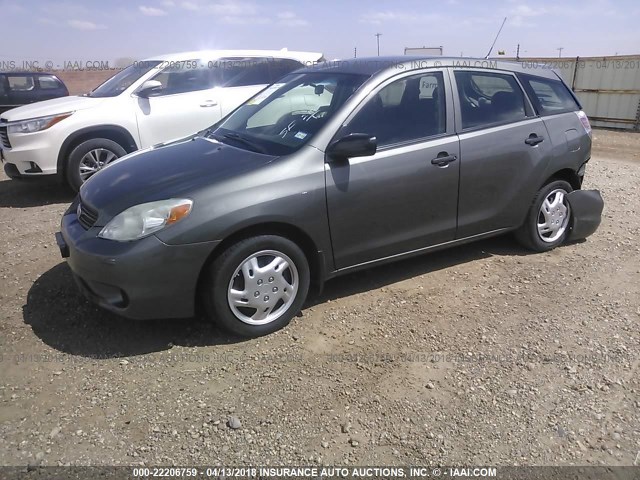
(156, 278)
(179, 170)
(353, 212)
(392, 202)
(569, 152)
(586, 208)
(286, 190)
(396, 200)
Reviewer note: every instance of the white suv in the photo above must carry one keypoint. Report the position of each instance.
(150, 102)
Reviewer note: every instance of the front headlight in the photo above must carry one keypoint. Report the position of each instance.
(144, 219)
(36, 124)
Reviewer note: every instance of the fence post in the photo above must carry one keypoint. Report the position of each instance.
(575, 74)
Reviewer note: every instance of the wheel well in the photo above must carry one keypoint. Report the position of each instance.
(567, 175)
(285, 230)
(113, 133)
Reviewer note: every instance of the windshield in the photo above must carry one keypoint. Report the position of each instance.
(286, 115)
(123, 80)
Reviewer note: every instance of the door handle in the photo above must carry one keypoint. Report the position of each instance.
(534, 140)
(443, 159)
(208, 103)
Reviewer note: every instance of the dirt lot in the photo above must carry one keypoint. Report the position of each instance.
(484, 354)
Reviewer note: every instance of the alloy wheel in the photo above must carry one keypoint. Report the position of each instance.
(95, 160)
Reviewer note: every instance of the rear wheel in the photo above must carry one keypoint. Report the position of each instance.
(256, 286)
(90, 157)
(547, 222)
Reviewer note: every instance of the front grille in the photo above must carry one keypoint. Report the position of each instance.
(4, 137)
(86, 216)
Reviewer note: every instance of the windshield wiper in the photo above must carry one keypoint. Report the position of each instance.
(207, 132)
(245, 141)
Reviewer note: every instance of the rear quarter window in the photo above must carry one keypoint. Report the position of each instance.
(549, 96)
(48, 82)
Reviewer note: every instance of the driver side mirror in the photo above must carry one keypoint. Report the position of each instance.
(149, 87)
(353, 145)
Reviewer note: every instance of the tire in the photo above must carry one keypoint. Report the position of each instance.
(108, 150)
(559, 214)
(231, 292)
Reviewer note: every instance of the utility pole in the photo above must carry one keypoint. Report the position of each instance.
(518, 52)
(560, 51)
(378, 35)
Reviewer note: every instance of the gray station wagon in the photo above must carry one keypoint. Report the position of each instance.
(334, 168)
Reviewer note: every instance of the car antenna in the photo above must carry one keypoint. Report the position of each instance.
(496, 39)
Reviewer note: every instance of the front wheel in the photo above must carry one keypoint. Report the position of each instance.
(89, 157)
(548, 219)
(257, 285)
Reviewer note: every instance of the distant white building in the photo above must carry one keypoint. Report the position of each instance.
(423, 50)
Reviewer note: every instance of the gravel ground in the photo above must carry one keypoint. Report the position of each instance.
(483, 354)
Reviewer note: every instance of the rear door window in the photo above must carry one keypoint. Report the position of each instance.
(20, 83)
(549, 96)
(488, 98)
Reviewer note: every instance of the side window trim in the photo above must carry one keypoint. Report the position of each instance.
(449, 120)
(530, 111)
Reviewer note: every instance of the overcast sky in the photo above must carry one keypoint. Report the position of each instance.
(108, 29)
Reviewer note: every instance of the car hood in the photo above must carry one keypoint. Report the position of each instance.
(175, 170)
(50, 107)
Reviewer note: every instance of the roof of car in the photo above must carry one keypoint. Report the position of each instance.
(377, 65)
(308, 58)
(25, 72)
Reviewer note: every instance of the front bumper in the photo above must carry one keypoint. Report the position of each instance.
(144, 279)
(30, 155)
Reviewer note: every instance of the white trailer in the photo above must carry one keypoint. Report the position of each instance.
(423, 50)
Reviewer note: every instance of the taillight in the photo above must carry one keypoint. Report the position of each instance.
(585, 122)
